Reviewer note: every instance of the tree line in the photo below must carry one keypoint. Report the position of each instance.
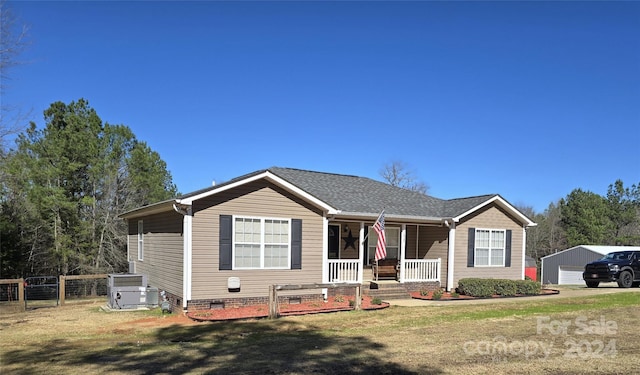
(63, 187)
(581, 218)
(586, 218)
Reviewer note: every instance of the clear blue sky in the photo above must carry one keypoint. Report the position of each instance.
(526, 99)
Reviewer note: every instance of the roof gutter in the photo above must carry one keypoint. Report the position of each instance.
(182, 209)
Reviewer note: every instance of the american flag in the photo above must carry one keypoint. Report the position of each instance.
(381, 246)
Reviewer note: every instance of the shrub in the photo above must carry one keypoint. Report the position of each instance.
(528, 287)
(455, 295)
(476, 287)
(437, 294)
(338, 298)
(505, 287)
(376, 301)
(487, 287)
(424, 292)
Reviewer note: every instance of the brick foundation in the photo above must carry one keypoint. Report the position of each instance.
(218, 303)
(174, 301)
(418, 286)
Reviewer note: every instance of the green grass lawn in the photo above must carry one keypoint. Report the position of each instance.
(591, 334)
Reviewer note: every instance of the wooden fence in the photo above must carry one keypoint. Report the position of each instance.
(273, 293)
(12, 290)
(63, 282)
(14, 293)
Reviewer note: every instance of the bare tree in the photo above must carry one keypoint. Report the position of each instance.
(397, 173)
(13, 41)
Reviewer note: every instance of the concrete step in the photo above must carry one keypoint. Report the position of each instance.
(387, 295)
(386, 291)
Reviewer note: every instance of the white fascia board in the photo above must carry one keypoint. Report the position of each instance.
(270, 177)
(502, 203)
(602, 250)
(149, 210)
(558, 252)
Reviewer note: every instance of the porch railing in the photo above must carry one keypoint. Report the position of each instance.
(422, 269)
(344, 270)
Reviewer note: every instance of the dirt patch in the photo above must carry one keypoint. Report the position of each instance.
(303, 308)
(447, 296)
(164, 320)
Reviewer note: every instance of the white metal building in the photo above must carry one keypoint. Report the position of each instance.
(565, 267)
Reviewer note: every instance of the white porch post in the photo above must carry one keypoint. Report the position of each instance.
(403, 250)
(325, 255)
(325, 250)
(451, 255)
(361, 254)
(524, 248)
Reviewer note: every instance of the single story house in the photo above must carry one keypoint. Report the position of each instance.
(566, 267)
(227, 243)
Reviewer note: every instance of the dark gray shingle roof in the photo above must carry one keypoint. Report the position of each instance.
(362, 195)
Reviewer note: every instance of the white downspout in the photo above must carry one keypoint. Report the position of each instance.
(451, 255)
(187, 261)
(325, 255)
(403, 250)
(524, 249)
(361, 254)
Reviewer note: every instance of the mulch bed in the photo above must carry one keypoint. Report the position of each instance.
(446, 296)
(262, 311)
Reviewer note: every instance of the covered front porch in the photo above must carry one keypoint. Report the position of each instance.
(416, 252)
(407, 270)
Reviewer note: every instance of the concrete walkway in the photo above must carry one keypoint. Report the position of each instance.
(565, 292)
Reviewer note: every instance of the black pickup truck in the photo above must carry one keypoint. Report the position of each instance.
(620, 266)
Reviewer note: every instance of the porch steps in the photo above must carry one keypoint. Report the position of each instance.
(386, 290)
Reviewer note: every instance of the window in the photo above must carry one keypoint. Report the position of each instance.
(490, 245)
(393, 242)
(261, 243)
(140, 240)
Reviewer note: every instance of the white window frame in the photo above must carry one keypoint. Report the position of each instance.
(490, 248)
(373, 240)
(140, 240)
(262, 243)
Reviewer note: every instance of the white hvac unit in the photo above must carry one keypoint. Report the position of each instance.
(127, 291)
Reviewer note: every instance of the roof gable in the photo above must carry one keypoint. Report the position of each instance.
(347, 195)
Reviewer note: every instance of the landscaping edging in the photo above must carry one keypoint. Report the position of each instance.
(261, 310)
(446, 296)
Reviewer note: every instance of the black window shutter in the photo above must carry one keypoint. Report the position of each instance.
(471, 246)
(226, 239)
(507, 249)
(296, 244)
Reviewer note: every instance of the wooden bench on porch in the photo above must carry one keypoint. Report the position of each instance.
(385, 268)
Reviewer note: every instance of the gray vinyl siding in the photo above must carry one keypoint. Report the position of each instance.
(163, 255)
(576, 257)
(492, 217)
(256, 199)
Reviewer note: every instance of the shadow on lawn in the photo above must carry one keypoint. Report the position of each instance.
(250, 347)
